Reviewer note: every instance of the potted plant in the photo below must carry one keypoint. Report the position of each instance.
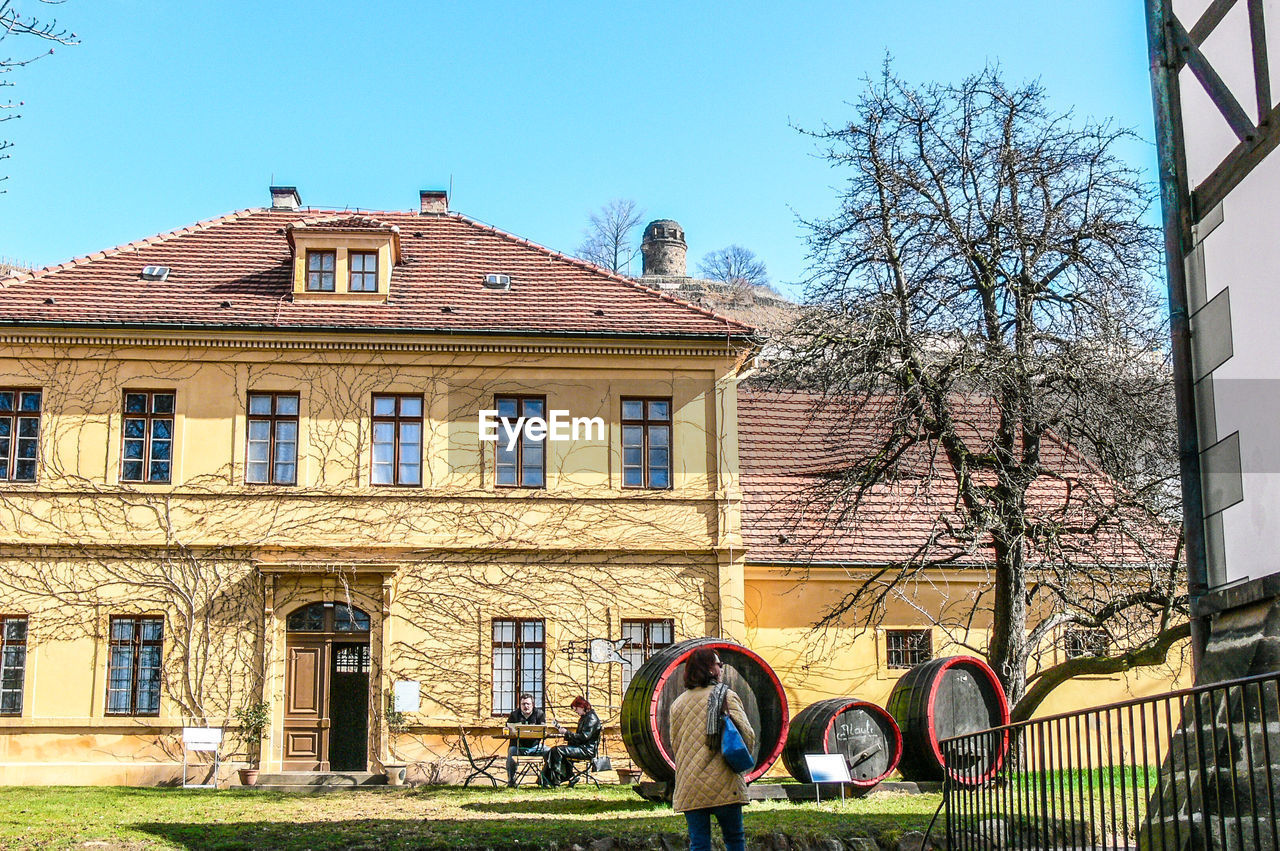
(252, 721)
(628, 775)
(397, 723)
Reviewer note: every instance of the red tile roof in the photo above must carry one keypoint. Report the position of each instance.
(243, 259)
(792, 449)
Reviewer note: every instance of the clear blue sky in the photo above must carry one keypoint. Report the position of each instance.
(171, 112)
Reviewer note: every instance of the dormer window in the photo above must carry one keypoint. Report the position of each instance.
(343, 257)
(364, 271)
(320, 267)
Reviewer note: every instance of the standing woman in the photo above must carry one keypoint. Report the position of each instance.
(705, 784)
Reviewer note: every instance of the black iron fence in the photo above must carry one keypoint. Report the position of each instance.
(1192, 769)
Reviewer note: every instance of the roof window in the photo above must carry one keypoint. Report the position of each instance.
(343, 257)
(155, 273)
(497, 282)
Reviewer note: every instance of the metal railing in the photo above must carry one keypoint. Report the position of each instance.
(1191, 769)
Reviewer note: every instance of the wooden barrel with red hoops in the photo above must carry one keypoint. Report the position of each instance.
(943, 698)
(656, 684)
(864, 734)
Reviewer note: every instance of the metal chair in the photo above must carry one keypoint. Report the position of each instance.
(585, 770)
(480, 767)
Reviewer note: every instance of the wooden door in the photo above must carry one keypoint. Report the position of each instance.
(306, 716)
(315, 676)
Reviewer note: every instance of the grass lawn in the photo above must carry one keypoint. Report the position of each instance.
(1078, 805)
(436, 817)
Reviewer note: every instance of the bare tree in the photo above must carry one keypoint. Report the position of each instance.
(735, 266)
(986, 296)
(14, 23)
(609, 241)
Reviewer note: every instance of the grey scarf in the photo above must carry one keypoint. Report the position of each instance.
(715, 713)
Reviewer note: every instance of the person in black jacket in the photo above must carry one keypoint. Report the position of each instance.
(524, 713)
(579, 745)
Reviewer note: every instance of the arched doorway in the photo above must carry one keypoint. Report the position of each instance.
(326, 717)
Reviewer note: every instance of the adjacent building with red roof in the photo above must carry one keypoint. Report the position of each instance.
(926, 579)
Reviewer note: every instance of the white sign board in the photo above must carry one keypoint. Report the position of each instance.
(201, 738)
(827, 768)
(406, 696)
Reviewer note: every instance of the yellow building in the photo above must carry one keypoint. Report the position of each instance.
(244, 461)
(250, 461)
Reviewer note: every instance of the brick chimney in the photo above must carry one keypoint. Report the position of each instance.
(433, 202)
(285, 198)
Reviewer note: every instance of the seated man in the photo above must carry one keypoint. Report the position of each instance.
(524, 713)
(579, 745)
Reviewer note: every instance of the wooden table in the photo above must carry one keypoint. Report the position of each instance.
(531, 733)
(528, 732)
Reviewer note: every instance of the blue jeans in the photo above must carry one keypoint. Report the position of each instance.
(730, 818)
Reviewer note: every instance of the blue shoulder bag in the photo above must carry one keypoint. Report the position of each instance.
(734, 749)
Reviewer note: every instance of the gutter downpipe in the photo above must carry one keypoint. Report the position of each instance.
(1175, 202)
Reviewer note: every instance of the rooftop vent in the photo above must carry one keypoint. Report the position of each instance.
(155, 273)
(497, 282)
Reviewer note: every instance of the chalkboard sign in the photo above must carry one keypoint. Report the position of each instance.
(861, 732)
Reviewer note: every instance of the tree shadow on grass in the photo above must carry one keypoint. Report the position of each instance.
(162, 792)
(396, 833)
(565, 806)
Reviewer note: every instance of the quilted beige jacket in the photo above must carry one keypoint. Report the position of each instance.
(703, 778)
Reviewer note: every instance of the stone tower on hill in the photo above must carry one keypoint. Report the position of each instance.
(664, 249)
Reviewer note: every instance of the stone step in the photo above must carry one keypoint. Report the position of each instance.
(307, 789)
(322, 779)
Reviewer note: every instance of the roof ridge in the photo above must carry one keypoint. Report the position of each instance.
(607, 273)
(204, 224)
(338, 216)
